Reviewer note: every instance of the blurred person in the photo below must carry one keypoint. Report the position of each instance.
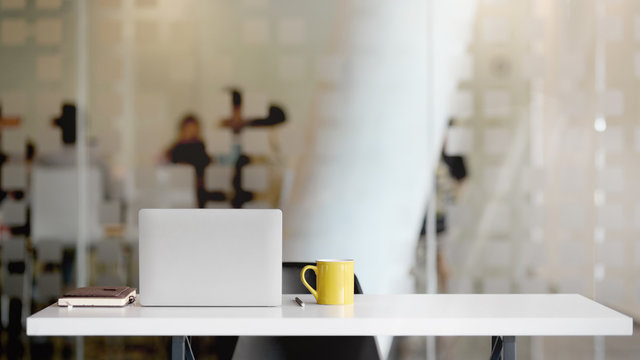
(450, 175)
(237, 123)
(189, 148)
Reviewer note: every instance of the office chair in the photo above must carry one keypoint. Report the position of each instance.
(305, 347)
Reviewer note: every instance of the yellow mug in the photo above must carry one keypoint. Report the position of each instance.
(334, 281)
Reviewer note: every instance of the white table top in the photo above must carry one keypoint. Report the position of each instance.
(429, 315)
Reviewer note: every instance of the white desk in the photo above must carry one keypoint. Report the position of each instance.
(501, 316)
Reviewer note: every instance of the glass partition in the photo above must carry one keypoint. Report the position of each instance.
(512, 121)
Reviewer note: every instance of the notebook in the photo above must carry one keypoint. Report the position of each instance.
(99, 296)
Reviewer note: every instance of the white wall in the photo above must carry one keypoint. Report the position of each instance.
(365, 187)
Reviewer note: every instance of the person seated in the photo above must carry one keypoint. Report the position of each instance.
(189, 148)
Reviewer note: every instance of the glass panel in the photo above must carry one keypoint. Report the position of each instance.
(513, 121)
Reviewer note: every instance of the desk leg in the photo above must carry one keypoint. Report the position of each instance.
(496, 348)
(509, 347)
(503, 348)
(177, 348)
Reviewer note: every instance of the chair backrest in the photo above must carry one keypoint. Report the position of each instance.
(175, 176)
(54, 203)
(166, 186)
(298, 347)
(291, 283)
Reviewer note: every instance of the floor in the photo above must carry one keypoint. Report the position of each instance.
(528, 348)
(565, 348)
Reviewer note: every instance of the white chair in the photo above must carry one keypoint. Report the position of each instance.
(165, 186)
(54, 204)
(176, 184)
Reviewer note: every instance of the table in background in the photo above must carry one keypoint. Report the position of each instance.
(503, 317)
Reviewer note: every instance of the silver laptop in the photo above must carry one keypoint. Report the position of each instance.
(210, 257)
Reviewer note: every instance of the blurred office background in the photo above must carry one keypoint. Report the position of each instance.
(356, 103)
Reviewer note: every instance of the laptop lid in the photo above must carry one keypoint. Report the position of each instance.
(210, 257)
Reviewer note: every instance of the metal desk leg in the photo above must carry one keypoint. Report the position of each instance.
(503, 348)
(509, 347)
(177, 347)
(496, 348)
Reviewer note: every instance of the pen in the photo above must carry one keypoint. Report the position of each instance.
(299, 301)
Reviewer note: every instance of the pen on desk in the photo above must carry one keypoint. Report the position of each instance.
(299, 301)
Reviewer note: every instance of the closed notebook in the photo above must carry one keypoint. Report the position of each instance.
(99, 296)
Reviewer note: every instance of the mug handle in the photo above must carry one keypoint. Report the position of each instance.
(305, 283)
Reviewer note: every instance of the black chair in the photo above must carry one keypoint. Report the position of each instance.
(306, 347)
(291, 283)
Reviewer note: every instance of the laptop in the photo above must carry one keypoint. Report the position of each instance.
(210, 257)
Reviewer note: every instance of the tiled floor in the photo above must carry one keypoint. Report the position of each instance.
(528, 348)
(562, 348)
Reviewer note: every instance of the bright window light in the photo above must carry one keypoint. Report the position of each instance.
(600, 124)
